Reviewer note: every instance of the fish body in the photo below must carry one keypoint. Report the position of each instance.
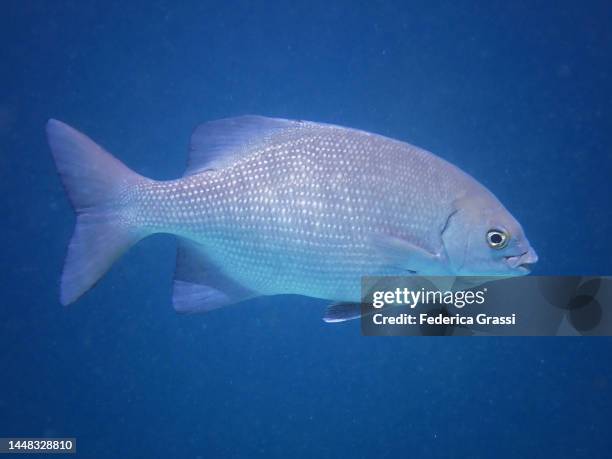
(270, 206)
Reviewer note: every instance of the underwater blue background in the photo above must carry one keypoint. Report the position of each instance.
(519, 94)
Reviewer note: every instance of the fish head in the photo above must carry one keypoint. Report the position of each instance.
(482, 238)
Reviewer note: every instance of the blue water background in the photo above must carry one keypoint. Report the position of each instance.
(517, 93)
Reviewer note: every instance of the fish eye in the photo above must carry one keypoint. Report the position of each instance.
(497, 238)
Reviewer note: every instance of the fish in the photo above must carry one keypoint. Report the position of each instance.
(271, 206)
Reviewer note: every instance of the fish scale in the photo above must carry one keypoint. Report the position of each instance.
(298, 211)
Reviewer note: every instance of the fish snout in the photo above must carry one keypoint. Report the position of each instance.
(524, 262)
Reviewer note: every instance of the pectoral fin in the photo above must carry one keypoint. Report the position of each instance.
(414, 260)
(405, 255)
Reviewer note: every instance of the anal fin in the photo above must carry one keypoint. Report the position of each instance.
(199, 286)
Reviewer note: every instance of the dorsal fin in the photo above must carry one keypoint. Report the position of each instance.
(217, 144)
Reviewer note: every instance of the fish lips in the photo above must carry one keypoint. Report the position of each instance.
(524, 262)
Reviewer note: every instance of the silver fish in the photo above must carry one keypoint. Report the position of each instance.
(271, 206)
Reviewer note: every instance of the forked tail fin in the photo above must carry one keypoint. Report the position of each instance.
(97, 185)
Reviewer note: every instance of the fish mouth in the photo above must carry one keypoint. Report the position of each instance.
(522, 263)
